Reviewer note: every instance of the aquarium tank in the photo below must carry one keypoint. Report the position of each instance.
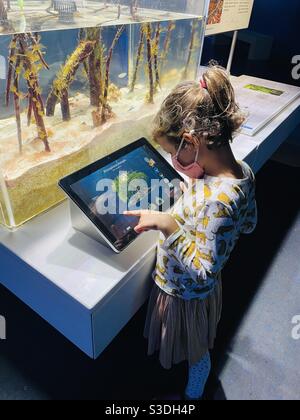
(79, 79)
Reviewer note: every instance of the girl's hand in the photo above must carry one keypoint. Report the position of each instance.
(151, 220)
(183, 187)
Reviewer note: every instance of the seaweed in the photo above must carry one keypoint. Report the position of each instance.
(26, 59)
(155, 51)
(107, 74)
(31, 54)
(148, 33)
(104, 111)
(65, 77)
(94, 65)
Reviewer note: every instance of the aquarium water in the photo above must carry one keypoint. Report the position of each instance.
(80, 79)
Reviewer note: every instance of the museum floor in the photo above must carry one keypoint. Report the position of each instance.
(255, 356)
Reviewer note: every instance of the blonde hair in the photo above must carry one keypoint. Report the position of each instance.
(210, 112)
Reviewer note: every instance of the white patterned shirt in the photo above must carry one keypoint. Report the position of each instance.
(211, 216)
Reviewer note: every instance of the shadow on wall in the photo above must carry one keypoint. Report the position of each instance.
(289, 152)
(248, 266)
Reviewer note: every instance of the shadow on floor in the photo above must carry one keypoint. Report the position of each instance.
(38, 363)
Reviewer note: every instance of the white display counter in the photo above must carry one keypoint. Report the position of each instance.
(81, 288)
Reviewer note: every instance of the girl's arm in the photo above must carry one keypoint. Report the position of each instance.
(251, 216)
(207, 253)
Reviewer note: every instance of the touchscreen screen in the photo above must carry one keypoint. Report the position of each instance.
(138, 180)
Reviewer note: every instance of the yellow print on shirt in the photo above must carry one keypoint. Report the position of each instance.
(190, 250)
(222, 213)
(205, 222)
(197, 263)
(162, 282)
(179, 219)
(225, 199)
(161, 270)
(186, 212)
(237, 190)
(178, 241)
(207, 191)
(207, 257)
(166, 262)
(217, 184)
(202, 237)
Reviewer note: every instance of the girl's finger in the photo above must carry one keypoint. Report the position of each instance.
(139, 229)
(183, 187)
(139, 213)
(132, 213)
(142, 227)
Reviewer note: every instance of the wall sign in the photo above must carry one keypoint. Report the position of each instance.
(228, 15)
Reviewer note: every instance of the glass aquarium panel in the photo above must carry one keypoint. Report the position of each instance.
(71, 97)
(19, 16)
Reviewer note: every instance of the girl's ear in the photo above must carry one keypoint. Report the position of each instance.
(191, 139)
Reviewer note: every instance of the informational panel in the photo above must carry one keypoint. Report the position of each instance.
(262, 100)
(228, 15)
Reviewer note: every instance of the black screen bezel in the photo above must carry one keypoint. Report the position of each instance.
(67, 182)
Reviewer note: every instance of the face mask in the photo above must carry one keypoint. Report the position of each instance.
(194, 170)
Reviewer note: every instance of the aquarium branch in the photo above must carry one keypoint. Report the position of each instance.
(106, 110)
(148, 30)
(34, 91)
(65, 77)
(155, 55)
(82, 37)
(17, 105)
(37, 48)
(14, 69)
(95, 61)
(11, 61)
(191, 48)
(65, 107)
(29, 111)
(138, 60)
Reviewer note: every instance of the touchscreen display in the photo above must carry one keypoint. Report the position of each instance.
(139, 180)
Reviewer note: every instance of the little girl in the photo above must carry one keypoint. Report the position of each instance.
(195, 125)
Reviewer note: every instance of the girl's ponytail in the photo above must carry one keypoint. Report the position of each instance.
(207, 107)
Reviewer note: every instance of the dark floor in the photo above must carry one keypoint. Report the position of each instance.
(255, 356)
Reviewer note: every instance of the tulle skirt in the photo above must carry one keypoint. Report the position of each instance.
(182, 330)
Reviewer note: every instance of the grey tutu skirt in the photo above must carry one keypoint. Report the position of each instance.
(182, 330)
